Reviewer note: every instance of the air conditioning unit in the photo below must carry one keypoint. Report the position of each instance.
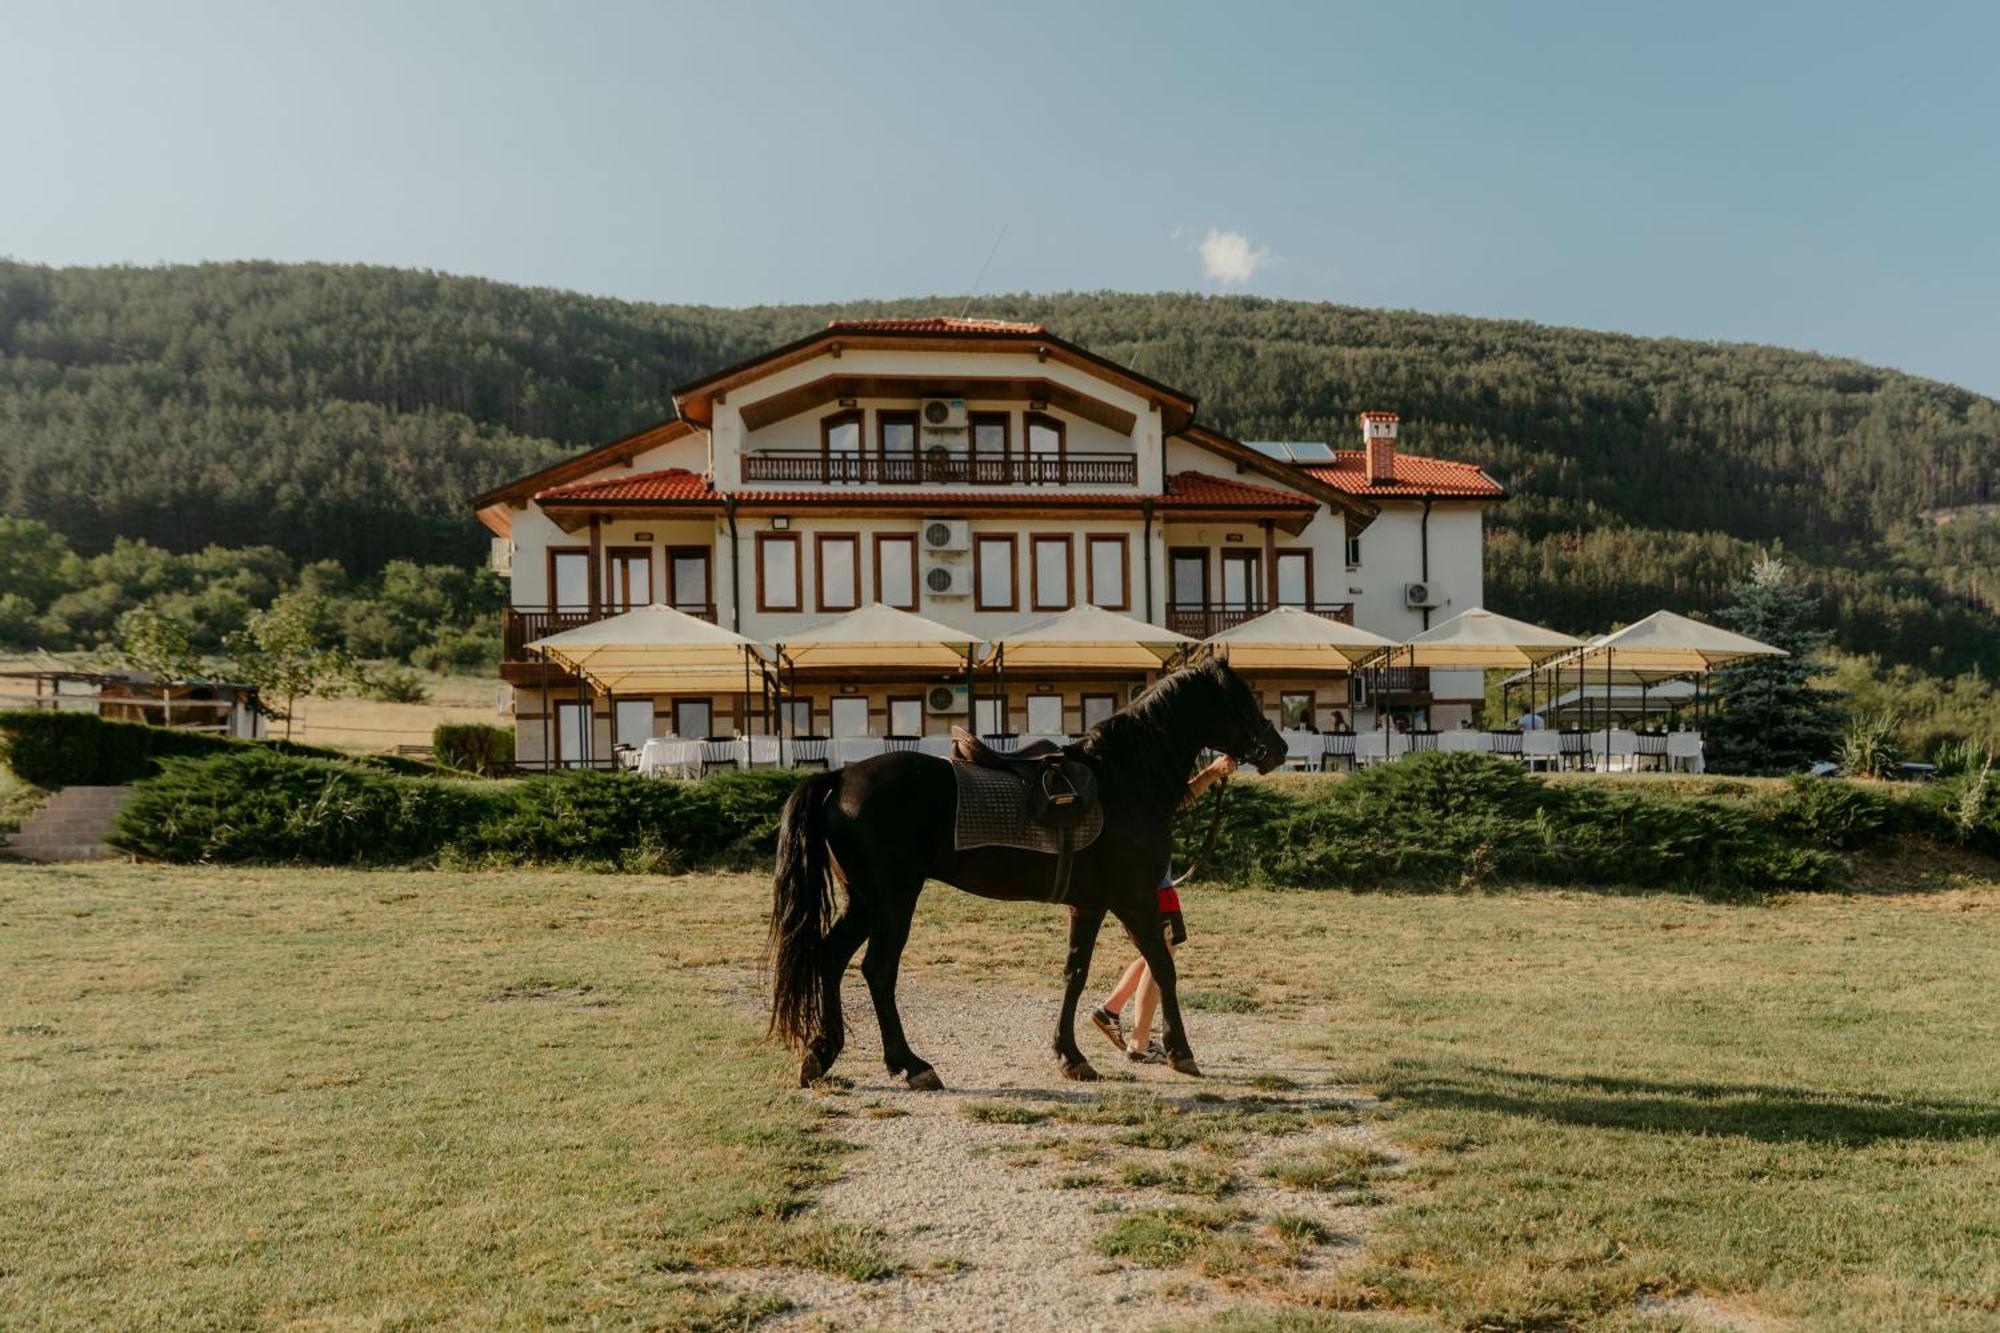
(1420, 596)
(948, 581)
(942, 414)
(947, 699)
(501, 556)
(947, 534)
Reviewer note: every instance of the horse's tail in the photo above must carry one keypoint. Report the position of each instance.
(801, 911)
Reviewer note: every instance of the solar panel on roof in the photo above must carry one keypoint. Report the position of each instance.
(1271, 449)
(1312, 451)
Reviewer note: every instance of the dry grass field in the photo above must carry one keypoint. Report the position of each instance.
(361, 725)
(321, 1098)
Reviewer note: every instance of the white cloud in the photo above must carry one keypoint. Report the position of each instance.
(1226, 256)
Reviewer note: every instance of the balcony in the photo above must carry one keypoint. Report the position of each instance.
(522, 625)
(1199, 621)
(850, 469)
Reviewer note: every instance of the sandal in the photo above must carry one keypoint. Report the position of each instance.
(1107, 1022)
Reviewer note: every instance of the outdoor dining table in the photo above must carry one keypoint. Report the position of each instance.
(1465, 741)
(669, 756)
(844, 750)
(1303, 747)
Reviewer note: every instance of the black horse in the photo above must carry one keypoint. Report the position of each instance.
(885, 826)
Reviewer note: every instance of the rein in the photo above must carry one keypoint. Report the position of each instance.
(1208, 841)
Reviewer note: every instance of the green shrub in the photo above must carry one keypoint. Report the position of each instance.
(393, 685)
(1834, 815)
(474, 747)
(58, 749)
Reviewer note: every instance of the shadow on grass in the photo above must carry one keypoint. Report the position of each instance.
(1763, 1112)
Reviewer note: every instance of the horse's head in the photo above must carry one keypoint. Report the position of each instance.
(1239, 728)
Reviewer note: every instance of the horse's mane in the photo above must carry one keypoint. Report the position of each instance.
(1152, 740)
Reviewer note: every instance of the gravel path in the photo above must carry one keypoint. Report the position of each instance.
(972, 1207)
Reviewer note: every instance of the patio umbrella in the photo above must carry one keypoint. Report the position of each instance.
(1292, 638)
(880, 636)
(1089, 637)
(1479, 638)
(651, 650)
(1669, 643)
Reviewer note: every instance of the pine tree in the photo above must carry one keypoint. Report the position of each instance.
(1774, 719)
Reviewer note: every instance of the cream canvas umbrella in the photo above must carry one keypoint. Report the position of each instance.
(1667, 644)
(879, 636)
(1479, 639)
(1290, 638)
(650, 650)
(1089, 637)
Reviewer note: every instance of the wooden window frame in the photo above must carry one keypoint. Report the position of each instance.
(1312, 705)
(612, 557)
(674, 711)
(916, 570)
(1028, 713)
(886, 419)
(827, 425)
(707, 554)
(792, 702)
(980, 540)
(1035, 542)
(652, 712)
(553, 602)
(974, 420)
(1083, 707)
(798, 573)
(1207, 575)
(821, 540)
(1030, 420)
(890, 714)
(1279, 554)
(1253, 585)
(1124, 541)
(867, 712)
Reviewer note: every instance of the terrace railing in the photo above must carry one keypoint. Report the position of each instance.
(1199, 621)
(863, 469)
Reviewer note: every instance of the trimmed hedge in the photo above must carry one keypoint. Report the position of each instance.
(1428, 821)
(474, 747)
(58, 749)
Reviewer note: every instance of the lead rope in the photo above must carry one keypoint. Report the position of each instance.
(1208, 842)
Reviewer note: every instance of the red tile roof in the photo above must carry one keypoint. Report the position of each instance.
(1414, 476)
(933, 324)
(1185, 490)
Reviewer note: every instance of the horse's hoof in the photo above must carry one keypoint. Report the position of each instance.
(811, 1071)
(925, 1080)
(1080, 1072)
(1184, 1064)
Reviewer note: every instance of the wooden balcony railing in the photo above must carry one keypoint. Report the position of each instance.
(522, 625)
(1066, 469)
(1200, 621)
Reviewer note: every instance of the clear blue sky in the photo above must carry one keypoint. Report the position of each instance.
(1823, 176)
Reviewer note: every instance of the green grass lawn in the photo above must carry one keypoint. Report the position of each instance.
(268, 1096)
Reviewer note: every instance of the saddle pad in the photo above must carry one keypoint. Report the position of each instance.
(992, 812)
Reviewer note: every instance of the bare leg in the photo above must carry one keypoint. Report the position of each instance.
(889, 933)
(1128, 986)
(1083, 927)
(1149, 1003)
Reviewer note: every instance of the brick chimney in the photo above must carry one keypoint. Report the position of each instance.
(1378, 440)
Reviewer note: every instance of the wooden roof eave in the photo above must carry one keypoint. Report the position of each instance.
(695, 399)
(831, 388)
(518, 492)
(572, 515)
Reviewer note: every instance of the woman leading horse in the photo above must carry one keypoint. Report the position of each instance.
(884, 826)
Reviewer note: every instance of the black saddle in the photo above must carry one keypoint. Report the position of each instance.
(1059, 791)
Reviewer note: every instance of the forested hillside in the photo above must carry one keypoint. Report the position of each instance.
(348, 413)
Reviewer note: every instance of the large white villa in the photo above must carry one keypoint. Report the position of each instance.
(984, 475)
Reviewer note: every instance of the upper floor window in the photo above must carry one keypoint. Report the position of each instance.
(896, 570)
(1046, 447)
(1295, 578)
(631, 582)
(993, 572)
(837, 566)
(569, 578)
(1242, 588)
(896, 440)
(1354, 553)
(1051, 557)
(690, 581)
(989, 434)
(840, 445)
(778, 571)
(1106, 560)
